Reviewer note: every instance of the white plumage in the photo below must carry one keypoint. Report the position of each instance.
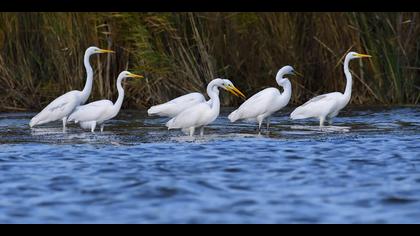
(266, 102)
(327, 106)
(96, 113)
(205, 112)
(92, 114)
(61, 107)
(177, 105)
(58, 109)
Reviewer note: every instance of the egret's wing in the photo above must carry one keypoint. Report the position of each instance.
(58, 109)
(316, 99)
(191, 117)
(317, 106)
(177, 105)
(90, 112)
(256, 105)
(191, 97)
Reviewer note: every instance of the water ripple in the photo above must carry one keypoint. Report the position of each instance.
(364, 169)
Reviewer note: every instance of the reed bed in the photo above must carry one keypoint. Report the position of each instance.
(41, 54)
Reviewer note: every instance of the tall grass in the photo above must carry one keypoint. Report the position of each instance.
(41, 54)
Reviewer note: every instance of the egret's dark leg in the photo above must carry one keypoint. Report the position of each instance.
(64, 124)
(202, 131)
(93, 126)
(321, 121)
(330, 121)
(192, 130)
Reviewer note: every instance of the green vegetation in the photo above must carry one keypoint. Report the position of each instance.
(41, 54)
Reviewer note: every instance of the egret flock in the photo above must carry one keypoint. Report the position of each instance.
(192, 111)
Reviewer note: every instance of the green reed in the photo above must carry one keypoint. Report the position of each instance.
(41, 54)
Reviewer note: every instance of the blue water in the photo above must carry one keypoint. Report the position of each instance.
(365, 169)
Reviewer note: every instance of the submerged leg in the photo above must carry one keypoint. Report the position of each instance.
(321, 121)
(93, 126)
(192, 130)
(64, 124)
(202, 131)
(102, 128)
(260, 121)
(268, 123)
(330, 121)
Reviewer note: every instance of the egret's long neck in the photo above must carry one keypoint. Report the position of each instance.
(213, 92)
(89, 79)
(347, 92)
(118, 103)
(285, 83)
(287, 89)
(279, 77)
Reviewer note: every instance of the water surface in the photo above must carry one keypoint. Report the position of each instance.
(364, 169)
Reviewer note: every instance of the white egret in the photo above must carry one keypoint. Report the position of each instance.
(266, 102)
(177, 105)
(327, 106)
(96, 113)
(63, 106)
(203, 113)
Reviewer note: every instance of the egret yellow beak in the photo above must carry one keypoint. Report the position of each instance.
(298, 73)
(232, 89)
(362, 55)
(105, 51)
(135, 76)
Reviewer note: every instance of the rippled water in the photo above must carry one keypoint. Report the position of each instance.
(365, 169)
